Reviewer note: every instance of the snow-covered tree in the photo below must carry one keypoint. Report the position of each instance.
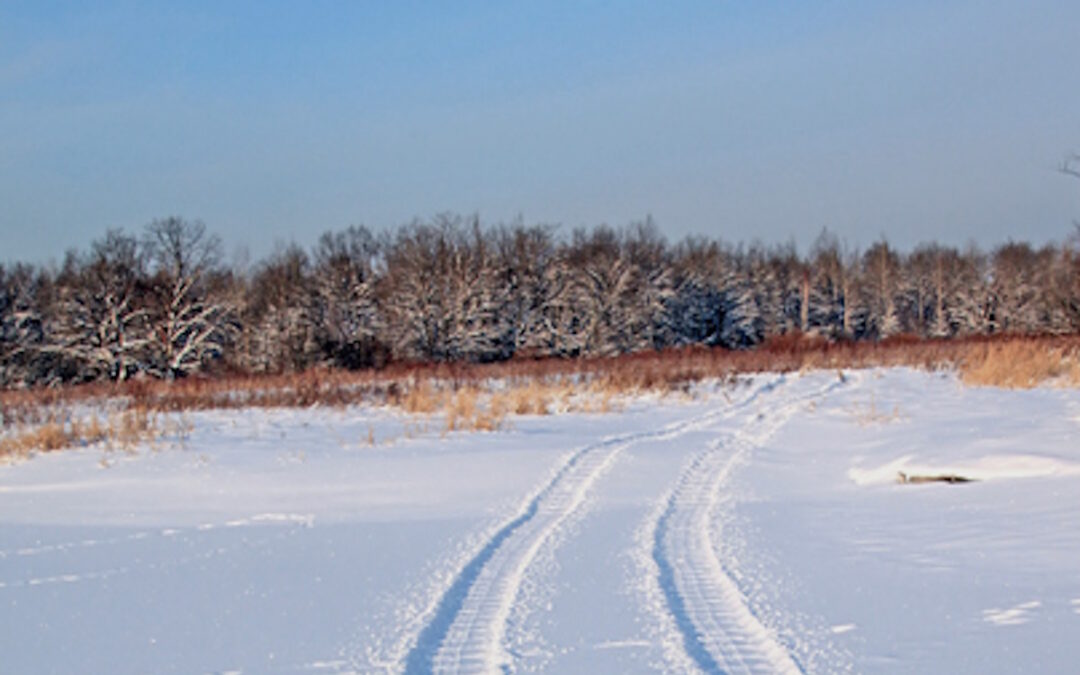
(450, 290)
(101, 323)
(535, 280)
(834, 288)
(694, 311)
(347, 266)
(412, 293)
(193, 320)
(780, 297)
(647, 251)
(881, 282)
(1014, 294)
(968, 303)
(444, 294)
(607, 293)
(742, 321)
(476, 297)
(279, 319)
(1062, 281)
(23, 296)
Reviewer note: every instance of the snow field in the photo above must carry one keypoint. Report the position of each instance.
(468, 631)
(719, 631)
(756, 529)
(918, 578)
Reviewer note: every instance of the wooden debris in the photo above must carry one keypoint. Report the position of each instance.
(940, 478)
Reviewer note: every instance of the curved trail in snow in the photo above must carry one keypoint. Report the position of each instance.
(718, 631)
(467, 627)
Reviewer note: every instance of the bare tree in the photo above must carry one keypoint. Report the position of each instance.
(536, 281)
(101, 322)
(604, 293)
(23, 294)
(1014, 293)
(448, 289)
(477, 295)
(834, 292)
(280, 323)
(1068, 270)
(347, 266)
(193, 324)
(784, 299)
(881, 279)
(647, 251)
(418, 291)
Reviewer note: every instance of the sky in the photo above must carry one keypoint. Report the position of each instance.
(273, 122)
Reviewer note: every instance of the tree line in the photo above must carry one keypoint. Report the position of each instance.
(163, 303)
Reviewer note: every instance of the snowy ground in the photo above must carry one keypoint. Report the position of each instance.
(758, 528)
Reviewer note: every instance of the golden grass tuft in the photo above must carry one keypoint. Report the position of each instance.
(421, 399)
(461, 409)
(603, 396)
(125, 429)
(492, 417)
(533, 398)
(133, 426)
(470, 410)
(1020, 364)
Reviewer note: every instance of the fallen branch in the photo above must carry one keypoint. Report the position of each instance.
(940, 478)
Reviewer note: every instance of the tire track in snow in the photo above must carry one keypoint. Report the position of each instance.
(466, 630)
(718, 631)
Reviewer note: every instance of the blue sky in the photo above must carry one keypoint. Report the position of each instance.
(742, 120)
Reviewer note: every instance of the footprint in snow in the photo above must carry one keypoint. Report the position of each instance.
(1013, 616)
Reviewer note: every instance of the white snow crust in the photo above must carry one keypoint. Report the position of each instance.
(752, 528)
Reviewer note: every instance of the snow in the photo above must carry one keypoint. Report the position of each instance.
(754, 528)
(981, 468)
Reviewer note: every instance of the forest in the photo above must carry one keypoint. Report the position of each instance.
(163, 303)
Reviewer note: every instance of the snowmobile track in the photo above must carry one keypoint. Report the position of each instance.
(466, 629)
(719, 632)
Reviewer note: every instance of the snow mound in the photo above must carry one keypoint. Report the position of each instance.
(997, 467)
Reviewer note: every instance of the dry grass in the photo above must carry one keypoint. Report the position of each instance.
(30, 420)
(492, 417)
(461, 409)
(420, 399)
(534, 397)
(470, 409)
(1021, 364)
(120, 430)
(419, 388)
(44, 438)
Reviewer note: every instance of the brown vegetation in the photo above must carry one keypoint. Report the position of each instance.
(120, 430)
(40, 419)
(1022, 364)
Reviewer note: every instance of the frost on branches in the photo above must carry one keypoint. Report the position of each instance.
(451, 289)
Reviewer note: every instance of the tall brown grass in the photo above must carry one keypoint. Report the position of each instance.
(472, 409)
(119, 430)
(1021, 364)
(533, 397)
(464, 393)
(420, 399)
